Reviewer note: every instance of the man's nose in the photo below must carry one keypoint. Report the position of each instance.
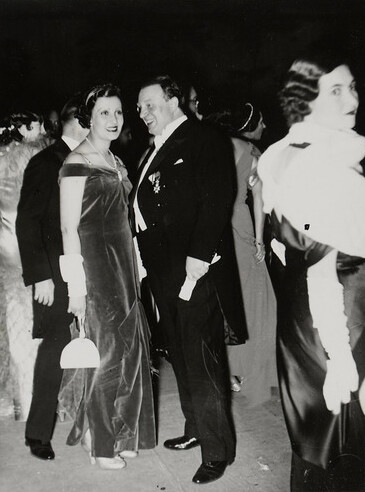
(142, 112)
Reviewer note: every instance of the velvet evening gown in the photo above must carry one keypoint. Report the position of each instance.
(114, 400)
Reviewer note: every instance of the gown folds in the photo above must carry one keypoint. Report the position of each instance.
(255, 360)
(314, 189)
(115, 400)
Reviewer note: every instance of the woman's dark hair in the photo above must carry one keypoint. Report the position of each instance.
(9, 126)
(224, 119)
(302, 85)
(83, 113)
(246, 118)
(236, 121)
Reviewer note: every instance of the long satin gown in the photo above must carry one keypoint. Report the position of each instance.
(317, 436)
(18, 349)
(328, 449)
(115, 400)
(255, 360)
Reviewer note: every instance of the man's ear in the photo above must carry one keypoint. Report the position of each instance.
(173, 103)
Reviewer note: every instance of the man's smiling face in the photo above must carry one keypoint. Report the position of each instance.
(155, 109)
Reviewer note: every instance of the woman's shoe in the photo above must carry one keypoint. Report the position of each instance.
(128, 454)
(235, 386)
(116, 463)
(86, 445)
(241, 379)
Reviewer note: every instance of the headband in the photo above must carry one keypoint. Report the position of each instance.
(248, 119)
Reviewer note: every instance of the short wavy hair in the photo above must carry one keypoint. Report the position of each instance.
(169, 87)
(83, 113)
(302, 86)
(9, 126)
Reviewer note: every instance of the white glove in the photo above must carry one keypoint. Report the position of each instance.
(341, 378)
(73, 273)
(326, 303)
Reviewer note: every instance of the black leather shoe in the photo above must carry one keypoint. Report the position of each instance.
(209, 471)
(39, 449)
(182, 442)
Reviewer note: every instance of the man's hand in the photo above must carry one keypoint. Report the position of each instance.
(195, 269)
(44, 292)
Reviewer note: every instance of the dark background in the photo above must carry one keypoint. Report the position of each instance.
(234, 49)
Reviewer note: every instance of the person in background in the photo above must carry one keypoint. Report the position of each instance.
(190, 101)
(53, 124)
(40, 244)
(20, 138)
(112, 406)
(251, 121)
(253, 363)
(314, 189)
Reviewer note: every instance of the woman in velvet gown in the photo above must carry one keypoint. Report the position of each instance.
(114, 401)
(314, 189)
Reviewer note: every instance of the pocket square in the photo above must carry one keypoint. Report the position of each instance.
(179, 161)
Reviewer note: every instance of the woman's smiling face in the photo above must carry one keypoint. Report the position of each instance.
(107, 117)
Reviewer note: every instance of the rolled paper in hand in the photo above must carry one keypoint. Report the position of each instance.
(141, 269)
(187, 289)
(362, 396)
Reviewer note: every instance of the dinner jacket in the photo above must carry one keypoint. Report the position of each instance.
(186, 199)
(38, 225)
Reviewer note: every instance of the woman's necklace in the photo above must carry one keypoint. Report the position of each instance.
(115, 167)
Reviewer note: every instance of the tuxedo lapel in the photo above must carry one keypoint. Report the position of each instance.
(171, 143)
(133, 193)
(161, 155)
(61, 149)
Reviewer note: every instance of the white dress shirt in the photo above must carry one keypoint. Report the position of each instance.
(159, 141)
(70, 142)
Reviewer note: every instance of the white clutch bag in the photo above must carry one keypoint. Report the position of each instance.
(80, 352)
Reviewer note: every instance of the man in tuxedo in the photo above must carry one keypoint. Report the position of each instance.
(40, 244)
(181, 209)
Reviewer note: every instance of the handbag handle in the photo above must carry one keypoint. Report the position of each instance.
(81, 326)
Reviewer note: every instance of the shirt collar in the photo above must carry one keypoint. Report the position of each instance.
(168, 131)
(70, 142)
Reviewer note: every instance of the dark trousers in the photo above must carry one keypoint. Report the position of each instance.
(195, 343)
(47, 370)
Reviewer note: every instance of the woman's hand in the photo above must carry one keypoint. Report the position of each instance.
(260, 251)
(77, 306)
(341, 379)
